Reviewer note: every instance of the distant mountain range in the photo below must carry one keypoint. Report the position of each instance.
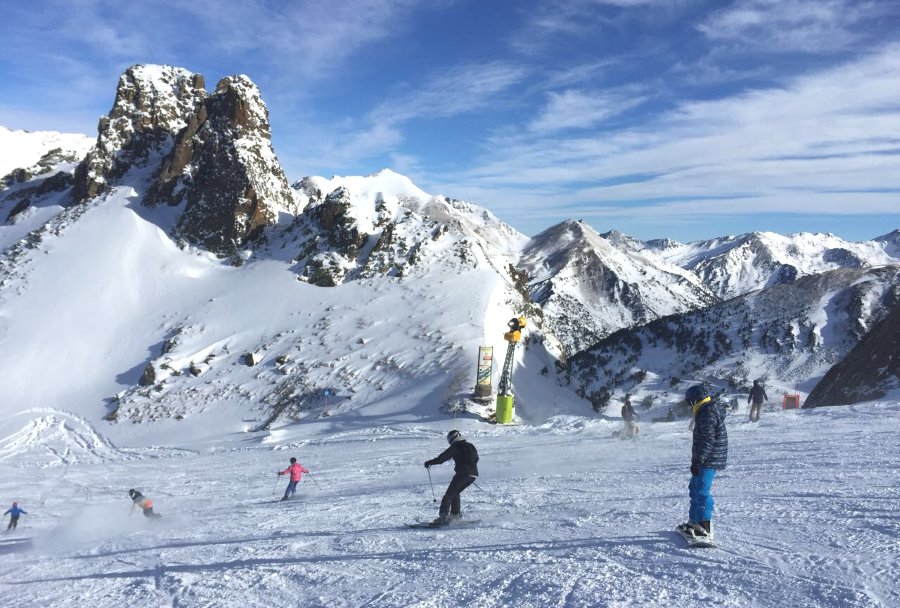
(184, 187)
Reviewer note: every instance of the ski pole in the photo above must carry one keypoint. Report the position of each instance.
(434, 498)
(315, 481)
(491, 496)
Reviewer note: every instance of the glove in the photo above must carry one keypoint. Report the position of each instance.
(279, 473)
(695, 469)
(428, 464)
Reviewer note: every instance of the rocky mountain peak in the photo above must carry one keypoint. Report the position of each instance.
(238, 101)
(152, 104)
(211, 152)
(224, 168)
(891, 242)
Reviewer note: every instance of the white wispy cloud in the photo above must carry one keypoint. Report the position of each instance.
(574, 109)
(810, 146)
(812, 26)
(454, 91)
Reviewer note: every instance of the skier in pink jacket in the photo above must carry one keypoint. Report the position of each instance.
(295, 471)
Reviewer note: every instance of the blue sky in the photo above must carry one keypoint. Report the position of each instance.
(685, 119)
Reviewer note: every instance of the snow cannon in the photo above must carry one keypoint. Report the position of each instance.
(504, 409)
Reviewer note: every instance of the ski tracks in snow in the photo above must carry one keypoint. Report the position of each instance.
(564, 522)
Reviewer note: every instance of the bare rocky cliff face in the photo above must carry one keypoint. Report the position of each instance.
(223, 167)
(178, 145)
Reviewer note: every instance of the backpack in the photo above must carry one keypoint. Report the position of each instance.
(470, 453)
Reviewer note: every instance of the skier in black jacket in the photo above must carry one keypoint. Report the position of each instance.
(756, 399)
(465, 458)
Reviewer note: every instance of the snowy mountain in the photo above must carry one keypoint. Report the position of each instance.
(589, 286)
(37, 173)
(383, 225)
(197, 285)
(787, 335)
(733, 266)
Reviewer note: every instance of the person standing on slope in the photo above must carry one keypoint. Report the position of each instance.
(709, 453)
(629, 416)
(14, 512)
(145, 504)
(465, 458)
(756, 399)
(295, 470)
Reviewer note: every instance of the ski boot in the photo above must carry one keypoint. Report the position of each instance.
(440, 521)
(693, 529)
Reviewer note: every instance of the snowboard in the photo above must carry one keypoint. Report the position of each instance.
(696, 543)
(436, 524)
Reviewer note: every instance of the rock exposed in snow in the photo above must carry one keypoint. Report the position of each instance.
(384, 225)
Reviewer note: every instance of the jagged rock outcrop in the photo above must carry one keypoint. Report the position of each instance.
(868, 371)
(152, 105)
(223, 167)
(210, 152)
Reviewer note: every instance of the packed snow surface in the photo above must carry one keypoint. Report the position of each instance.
(564, 515)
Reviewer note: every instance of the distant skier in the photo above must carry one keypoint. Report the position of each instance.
(709, 453)
(465, 458)
(145, 504)
(756, 399)
(295, 470)
(14, 512)
(630, 417)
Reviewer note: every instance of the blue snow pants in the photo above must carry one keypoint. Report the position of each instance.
(701, 499)
(291, 489)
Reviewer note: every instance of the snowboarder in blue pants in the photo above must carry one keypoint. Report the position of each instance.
(709, 453)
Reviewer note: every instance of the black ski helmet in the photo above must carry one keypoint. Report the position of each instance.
(695, 393)
(453, 436)
(293, 460)
(132, 492)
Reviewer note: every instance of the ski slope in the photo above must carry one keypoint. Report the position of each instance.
(566, 516)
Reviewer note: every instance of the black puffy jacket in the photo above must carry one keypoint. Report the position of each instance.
(710, 448)
(464, 455)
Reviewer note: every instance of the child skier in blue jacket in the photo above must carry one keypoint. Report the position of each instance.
(14, 511)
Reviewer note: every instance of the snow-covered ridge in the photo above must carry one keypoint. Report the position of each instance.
(22, 149)
(590, 286)
(788, 336)
(736, 265)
